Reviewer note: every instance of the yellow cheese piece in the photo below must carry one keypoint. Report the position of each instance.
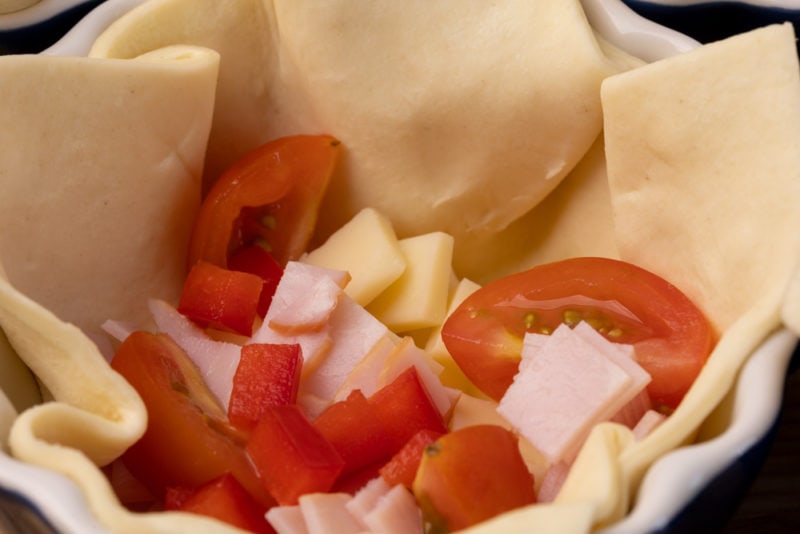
(595, 476)
(418, 299)
(368, 249)
(452, 375)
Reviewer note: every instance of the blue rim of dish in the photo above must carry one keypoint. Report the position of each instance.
(726, 491)
(729, 17)
(33, 38)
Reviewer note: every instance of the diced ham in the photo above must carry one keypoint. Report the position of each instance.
(367, 497)
(552, 481)
(118, 330)
(287, 520)
(621, 354)
(216, 360)
(326, 513)
(395, 513)
(649, 422)
(354, 332)
(632, 412)
(314, 345)
(366, 375)
(406, 354)
(305, 298)
(567, 387)
(376, 508)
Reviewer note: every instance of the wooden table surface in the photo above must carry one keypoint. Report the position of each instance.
(772, 505)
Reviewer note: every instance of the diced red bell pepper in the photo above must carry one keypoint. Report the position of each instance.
(221, 299)
(404, 407)
(223, 498)
(267, 375)
(352, 482)
(470, 475)
(355, 431)
(402, 468)
(292, 457)
(255, 260)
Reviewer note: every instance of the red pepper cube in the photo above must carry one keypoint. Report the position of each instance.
(255, 260)
(267, 375)
(355, 431)
(402, 468)
(221, 299)
(291, 456)
(404, 407)
(222, 498)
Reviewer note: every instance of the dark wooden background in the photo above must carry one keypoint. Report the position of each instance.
(772, 504)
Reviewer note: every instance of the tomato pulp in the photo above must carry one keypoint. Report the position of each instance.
(627, 304)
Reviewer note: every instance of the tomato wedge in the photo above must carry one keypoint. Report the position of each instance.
(268, 197)
(189, 440)
(625, 303)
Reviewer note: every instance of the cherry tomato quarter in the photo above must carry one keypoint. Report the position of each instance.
(269, 197)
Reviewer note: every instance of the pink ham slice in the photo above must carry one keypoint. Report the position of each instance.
(406, 354)
(375, 508)
(573, 381)
(648, 422)
(305, 298)
(287, 520)
(366, 375)
(395, 513)
(326, 513)
(353, 332)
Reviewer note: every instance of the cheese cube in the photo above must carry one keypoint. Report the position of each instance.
(418, 299)
(368, 249)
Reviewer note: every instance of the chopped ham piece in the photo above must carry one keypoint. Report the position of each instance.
(287, 520)
(632, 412)
(216, 360)
(649, 422)
(353, 332)
(326, 513)
(375, 508)
(406, 354)
(305, 298)
(552, 480)
(366, 375)
(570, 383)
(395, 513)
(367, 497)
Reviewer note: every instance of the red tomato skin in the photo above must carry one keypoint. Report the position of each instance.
(220, 298)
(355, 431)
(188, 440)
(404, 407)
(671, 336)
(402, 468)
(223, 498)
(267, 375)
(256, 260)
(471, 475)
(291, 455)
(283, 180)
